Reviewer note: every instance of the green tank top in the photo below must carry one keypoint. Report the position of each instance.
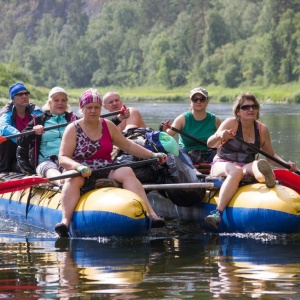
(201, 130)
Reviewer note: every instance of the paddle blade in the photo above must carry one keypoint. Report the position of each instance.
(288, 179)
(20, 184)
(2, 139)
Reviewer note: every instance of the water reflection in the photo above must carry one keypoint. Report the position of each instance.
(200, 266)
(254, 267)
(176, 262)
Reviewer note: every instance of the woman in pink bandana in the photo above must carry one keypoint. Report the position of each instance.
(87, 145)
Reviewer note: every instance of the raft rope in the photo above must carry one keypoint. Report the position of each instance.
(143, 212)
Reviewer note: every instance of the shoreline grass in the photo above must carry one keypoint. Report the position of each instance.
(288, 93)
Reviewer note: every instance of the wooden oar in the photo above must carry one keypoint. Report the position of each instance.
(20, 184)
(9, 137)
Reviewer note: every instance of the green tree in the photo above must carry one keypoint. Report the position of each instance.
(286, 37)
(216, 33)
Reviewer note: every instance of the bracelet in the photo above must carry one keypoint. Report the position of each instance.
(76, 168)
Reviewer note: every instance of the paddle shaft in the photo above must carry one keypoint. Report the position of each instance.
(24, 183)
(186, 135)
(253, 147)
(105, 169)
(195, 185)
(9, 137)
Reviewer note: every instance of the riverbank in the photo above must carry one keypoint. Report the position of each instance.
(289, 93)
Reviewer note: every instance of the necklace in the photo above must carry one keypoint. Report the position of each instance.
(248, 135)
(249, 139)
(92, 133)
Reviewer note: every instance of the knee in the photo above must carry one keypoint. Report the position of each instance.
(124, 174)
(237, 173)
(129, 174)
(73, 183)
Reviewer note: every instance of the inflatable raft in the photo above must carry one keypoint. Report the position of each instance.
(103, 212)
(254, 208)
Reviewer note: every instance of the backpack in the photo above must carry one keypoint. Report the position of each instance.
(179, 172)
(159, 141)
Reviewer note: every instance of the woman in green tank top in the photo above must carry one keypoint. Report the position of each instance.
(197, 122)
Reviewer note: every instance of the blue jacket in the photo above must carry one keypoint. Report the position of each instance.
(8, 118)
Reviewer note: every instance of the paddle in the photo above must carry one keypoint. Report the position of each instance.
(252, 146)
(20, 184)
(185, 134)
(9, 137)
(288, 179)
(194, 185)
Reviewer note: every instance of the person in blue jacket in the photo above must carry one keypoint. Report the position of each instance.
(14, 117)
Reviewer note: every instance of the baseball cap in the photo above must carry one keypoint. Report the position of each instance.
(199, 90)
(56, 90)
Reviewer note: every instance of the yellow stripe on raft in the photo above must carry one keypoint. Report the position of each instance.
(257, 195)
(41, 197)
(111, 199)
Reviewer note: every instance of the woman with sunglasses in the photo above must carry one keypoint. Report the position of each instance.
(197, 122)
(234, 159)
(14, 117)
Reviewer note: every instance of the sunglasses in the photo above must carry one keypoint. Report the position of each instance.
(201, 99)
(22, 94)
(248, 106)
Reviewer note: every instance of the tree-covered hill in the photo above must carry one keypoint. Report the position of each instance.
(80, 43)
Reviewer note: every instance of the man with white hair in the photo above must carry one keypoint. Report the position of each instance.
(131, 118)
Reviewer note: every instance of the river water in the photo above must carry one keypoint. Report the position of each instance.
(176, 262)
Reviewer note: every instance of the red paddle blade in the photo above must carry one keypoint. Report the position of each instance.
(288, 179)
(20, 184)
(2, 139)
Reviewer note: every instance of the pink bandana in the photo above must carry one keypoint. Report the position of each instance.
(89, 96)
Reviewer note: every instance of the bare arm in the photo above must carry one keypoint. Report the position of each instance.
(178, 123)
(135, 119)
(224, 132)
(218, 122)
(127, 145)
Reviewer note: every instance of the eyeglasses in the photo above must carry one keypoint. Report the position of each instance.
(248, 106)
(22, 94)
(201, 99)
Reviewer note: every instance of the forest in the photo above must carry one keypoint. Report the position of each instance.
(169, 43)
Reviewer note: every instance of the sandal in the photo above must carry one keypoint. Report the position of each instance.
(62, 230)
